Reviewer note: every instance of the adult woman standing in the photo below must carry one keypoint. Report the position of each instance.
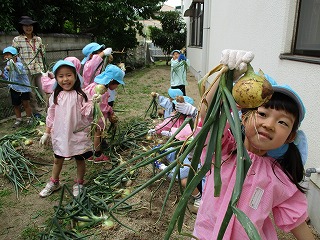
(30, 49)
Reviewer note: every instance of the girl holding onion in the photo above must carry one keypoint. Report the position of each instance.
(110, 78)
(271, 185)
(70, 109)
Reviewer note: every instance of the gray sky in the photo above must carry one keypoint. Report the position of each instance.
(173, 3)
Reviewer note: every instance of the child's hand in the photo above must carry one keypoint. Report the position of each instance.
(96, 98)
(185, 108)
(107, 51)
(236, 59)
(154, 94)
(113, 118)
(166, 133)
(152, 131)
(51, 75)
(47, 74)
(44, 74)
(182, 57)
(44, 139)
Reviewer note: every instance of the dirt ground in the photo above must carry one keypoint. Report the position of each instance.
(25, 217)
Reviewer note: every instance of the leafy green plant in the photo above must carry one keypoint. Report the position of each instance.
(112, 22)
(172, 35)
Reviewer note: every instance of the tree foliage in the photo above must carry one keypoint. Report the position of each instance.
(112, 22)
(173, 32)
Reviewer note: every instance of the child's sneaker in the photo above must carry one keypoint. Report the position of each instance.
(101, 159)
(29, 122)
(197, 202)
(159, 165)
(37, 115)
(49, 189)
(17, 123)
(90, 159)
(77, 189)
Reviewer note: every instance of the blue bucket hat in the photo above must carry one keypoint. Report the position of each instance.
(62, 63)
(287, 90)
(301, 139)
(186, 99)
(111, 72)
(90, 48)
(11, 50)
(173, 93)
(176, 50)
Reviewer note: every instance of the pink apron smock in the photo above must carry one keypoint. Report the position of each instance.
(70, 114)
(266, 190)
(91, 69)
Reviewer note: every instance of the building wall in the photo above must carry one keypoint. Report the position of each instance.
(266, 28)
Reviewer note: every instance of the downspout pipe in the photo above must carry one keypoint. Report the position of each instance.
(308, 173)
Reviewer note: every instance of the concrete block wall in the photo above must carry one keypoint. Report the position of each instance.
(53, 41)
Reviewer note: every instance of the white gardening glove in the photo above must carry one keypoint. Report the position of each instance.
(96, 98)
(107, 51)
(166, 133)
(44, 139)
(44, 74)
(152, 131)
(154, 94)
(185, 108)
(51, 75)
(236, 59)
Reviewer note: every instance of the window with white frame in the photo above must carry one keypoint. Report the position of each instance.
(196, 23)
(307, 38)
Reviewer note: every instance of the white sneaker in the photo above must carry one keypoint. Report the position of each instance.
(17, 123)
(197, 202)
(77, 189)
(49, 189)
(194, 208)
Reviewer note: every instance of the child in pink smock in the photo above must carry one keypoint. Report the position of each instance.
(92, 63)
(110, 78)
(69, 110)
(171, 124)
(271, 185)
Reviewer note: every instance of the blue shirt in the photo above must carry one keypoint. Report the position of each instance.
(15, 76)
(167, 105)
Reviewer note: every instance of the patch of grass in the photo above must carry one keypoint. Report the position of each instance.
(37, 214)
(30, 233)
(4, 193)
